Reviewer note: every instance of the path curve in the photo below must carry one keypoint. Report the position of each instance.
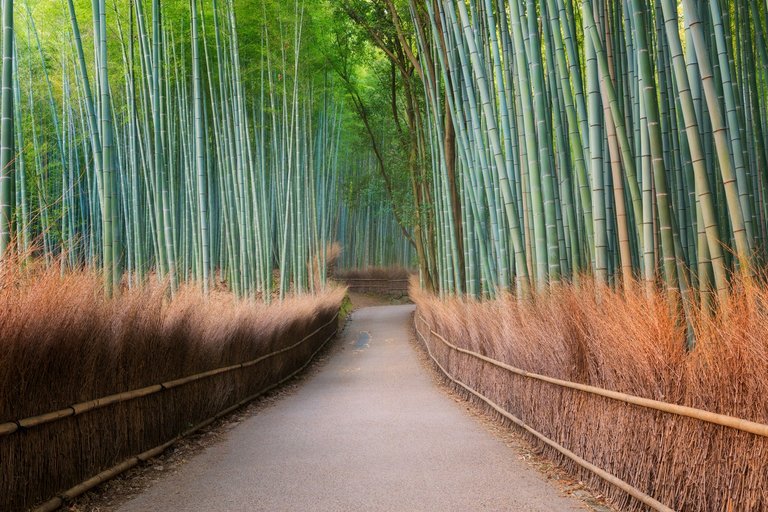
(369, 432)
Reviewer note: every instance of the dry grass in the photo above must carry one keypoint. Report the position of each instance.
(63, 343)
(633, 344)
(327, 261)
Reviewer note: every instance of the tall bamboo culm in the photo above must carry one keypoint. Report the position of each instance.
(625, 140)
(126, 165)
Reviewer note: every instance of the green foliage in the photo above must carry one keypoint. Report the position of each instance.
(371, 79)
(346, 308)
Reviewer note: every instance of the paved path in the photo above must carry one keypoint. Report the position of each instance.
(368, 432)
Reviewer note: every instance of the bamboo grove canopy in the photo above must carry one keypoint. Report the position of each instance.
(622, 139)
(196, 141)
(513, 144)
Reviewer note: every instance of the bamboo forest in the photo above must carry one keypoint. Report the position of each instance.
(487, 254)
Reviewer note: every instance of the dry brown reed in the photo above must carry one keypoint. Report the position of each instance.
(63, 343)
(631, 343)
(323, 265)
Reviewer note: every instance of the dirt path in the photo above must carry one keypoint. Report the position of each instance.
(371, 432)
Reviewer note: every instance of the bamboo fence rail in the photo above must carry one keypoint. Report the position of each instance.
(724, 420)
(10, 427)
(58, 501)
(679, 410)
(621, 484)
(377, 285)
(360, 279)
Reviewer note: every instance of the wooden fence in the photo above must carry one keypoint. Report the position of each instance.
(49, 452)
(465, 382)
(379, 286)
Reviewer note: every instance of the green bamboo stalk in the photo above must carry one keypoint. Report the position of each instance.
(6, 130)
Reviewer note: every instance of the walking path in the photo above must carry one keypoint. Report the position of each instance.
(368, 432)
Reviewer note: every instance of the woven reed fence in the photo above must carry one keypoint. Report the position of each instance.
(380, 286)
(66, 452)
(642, 453)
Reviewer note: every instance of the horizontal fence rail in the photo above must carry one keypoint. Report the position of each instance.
(72, 493)
(10, 427)
(724, 420)
(377, 284)
(369, 279)
(690, 412)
